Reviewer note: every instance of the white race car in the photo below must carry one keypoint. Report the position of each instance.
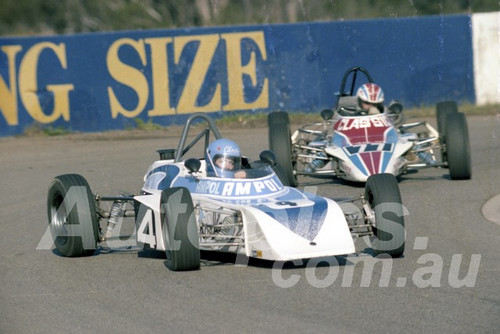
(352, 145)
(180, 210)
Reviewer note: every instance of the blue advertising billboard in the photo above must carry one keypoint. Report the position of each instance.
(103, 81)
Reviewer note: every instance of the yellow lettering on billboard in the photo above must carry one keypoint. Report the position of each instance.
(236, 70)
(197, 73)
(8, 97)
(28, 87)
(159, 69)
(127, 75)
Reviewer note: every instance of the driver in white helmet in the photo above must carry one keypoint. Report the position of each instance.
(370, 98)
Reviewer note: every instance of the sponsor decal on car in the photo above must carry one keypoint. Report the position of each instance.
(238, 188)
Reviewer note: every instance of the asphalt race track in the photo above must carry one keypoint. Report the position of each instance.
(448, 281)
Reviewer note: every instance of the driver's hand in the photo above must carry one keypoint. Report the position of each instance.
(241, 174)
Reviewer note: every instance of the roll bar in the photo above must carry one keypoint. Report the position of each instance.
(211, 127)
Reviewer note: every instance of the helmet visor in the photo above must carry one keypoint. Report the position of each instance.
(366, 105)
(227, 162)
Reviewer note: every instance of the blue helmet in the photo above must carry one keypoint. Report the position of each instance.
(223, 158)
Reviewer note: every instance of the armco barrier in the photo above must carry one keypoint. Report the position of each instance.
(102, 81)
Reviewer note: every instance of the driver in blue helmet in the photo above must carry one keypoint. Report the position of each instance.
(223, 158)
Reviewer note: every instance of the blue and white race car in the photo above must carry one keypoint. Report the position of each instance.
(182, 209)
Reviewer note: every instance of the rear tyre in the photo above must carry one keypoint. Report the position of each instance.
(281, 144)
(71, 202)
(458, 147)
(180, 231)
(443, 109)
(382, 193)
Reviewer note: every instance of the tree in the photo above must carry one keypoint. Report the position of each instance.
(35, 17)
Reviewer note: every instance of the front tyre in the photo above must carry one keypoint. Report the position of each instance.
(384, 199)
(281, 144)
(180, 231)
(443, 109)
(72, 215)
(458, 147)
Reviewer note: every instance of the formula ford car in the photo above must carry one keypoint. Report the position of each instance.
(180, 210)
(352, 145)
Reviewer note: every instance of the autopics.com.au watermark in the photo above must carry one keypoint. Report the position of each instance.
(433, 270)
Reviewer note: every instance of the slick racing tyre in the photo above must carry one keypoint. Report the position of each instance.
(179, 228)
(72, 215)
(443, 109)
(384, 199)
(458, 147)
(281, 144)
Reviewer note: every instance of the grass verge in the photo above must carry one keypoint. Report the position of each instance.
(254, 120)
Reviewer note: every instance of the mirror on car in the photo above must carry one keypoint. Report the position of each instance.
(326, 114)
(193, 165)
(268, 157)
(395, 107)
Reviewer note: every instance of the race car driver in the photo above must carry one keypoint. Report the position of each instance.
(223, 157)
(370, 98)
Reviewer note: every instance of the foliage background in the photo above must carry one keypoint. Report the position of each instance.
(48, 17)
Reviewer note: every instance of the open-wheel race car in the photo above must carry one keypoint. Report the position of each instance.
(352, 144)
(182, 209)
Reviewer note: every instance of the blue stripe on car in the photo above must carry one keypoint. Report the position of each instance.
(306, 221)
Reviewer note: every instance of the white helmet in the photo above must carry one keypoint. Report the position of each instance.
(371, 93)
